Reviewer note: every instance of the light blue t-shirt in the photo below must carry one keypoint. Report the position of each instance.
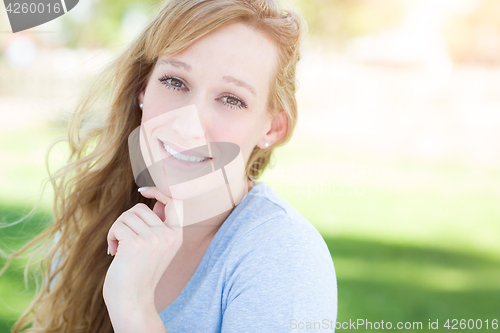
(267, 269)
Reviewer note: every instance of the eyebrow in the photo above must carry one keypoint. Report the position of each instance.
(240, 83)
(176, 63)
(187, 67)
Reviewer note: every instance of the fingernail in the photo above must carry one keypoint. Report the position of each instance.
(143, 188)
(108, 251)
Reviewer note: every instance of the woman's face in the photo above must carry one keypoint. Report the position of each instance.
(216, 90)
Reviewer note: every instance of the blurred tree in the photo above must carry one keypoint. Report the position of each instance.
(338, 21)
(98, 23)
(474, 37)
(102, 23)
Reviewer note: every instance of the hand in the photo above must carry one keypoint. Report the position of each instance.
(144, 242)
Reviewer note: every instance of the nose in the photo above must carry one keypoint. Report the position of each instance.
(188, 124)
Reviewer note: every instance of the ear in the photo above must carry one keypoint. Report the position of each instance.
(277, 131)
(140, 98)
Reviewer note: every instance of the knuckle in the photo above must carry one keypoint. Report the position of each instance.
(174, 239)
(111, 230)
(139, 243)
(170, 235)
(125, 215)
(165, 234)
(155, 241)
(140, 205)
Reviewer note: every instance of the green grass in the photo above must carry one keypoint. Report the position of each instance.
(22, 167)
(441, 204)
(379, 281)
(419, 242)
(14, 295)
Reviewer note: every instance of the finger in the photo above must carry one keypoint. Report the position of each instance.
(173, 210)
(159, 210)
(136, 224)
(147, 215)
(154, 193)
(118, 232)
(174, 215)
(173, 222)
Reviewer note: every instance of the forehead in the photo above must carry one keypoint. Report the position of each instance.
(236, 50)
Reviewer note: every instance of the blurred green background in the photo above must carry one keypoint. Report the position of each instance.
(395, 159)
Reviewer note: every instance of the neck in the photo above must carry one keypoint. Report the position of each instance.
(199, 234)
(199, 231)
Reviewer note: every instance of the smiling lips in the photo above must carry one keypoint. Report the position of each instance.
(183, 157)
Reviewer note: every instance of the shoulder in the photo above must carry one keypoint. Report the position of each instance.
(278, 262)
(269, 222)
(275, 240)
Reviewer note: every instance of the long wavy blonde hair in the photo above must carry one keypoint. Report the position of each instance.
(96, 184)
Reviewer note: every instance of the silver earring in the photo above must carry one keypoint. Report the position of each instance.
(266, 144)
(141, 106)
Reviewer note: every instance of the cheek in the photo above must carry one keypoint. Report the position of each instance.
(157, 102)
(238, 133)
(244, 137)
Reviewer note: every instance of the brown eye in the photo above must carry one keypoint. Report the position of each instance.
(232, 101)
(174, 83)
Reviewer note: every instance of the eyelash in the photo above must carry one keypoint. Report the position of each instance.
(164, 80)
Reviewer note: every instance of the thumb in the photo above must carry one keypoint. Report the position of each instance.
(159, 210)
(153, 193)
(173, 208)
(174, 215)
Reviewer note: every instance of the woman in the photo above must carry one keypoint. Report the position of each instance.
(201, 73)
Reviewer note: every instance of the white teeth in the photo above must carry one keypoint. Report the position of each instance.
(182, 157)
